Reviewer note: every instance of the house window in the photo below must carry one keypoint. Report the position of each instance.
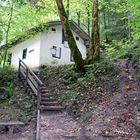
(24, 54)
(56, 52)
(77, 38)
(53, 29)
(9, 58)
(63, 37)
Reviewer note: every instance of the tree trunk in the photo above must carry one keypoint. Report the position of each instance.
(88, 20)
(68, 8)
(4, 58)
(79, 18)
(79, 62)
(95, 31)
(94, 50)
(105, 26)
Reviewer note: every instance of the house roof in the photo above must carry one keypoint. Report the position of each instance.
(41, 28)
(74, 27)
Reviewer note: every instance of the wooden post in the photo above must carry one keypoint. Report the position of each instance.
(38, 125)
(19, 68)
(38, 114)
(27, 72)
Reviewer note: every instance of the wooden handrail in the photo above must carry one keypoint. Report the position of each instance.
(37, 79)
(35, 83)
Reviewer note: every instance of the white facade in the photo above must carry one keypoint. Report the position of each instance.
(33, 52)
(46, 48)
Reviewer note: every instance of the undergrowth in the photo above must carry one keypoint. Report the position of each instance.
(15, 105)
(7, 77)
(79, 93)
(122, 50)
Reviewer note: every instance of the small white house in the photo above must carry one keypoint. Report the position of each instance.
(48, 47)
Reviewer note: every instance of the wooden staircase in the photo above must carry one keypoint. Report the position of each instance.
(45, 100)
(48, 103)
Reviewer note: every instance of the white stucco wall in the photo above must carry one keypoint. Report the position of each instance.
(33, 52)
(50, 39)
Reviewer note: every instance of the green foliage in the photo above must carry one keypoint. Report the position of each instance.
(117, 50)
(70, 76)
(28, 106)
(7, 75)
(89, 74)
(49, 71)
(9, 90)
(134, 17)
(70, 95)
(136, 59)
(82, 81)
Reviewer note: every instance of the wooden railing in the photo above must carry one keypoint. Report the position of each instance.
(35, 84)
(31, 79)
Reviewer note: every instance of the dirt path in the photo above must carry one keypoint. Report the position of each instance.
(60, 126)
(119, 117)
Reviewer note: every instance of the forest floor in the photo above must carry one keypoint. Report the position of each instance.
(116, 116)
(104, 104)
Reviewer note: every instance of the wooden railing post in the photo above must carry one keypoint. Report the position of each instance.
(27, 73)
(38, 114)
(19, 68)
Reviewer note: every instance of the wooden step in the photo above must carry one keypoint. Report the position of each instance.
(50, 99)
(51, 103)
(46, 95)
(52, 108)
(43, 87)
(44, 91)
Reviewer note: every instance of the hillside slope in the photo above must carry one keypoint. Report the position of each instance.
(105, 101)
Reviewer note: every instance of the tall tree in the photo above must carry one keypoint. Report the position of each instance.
(79, 62)
(94, 50)
(4, 56)
(95, 30)
(68, 8)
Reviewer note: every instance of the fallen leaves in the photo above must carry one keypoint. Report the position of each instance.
(130, 77)
(128, 87)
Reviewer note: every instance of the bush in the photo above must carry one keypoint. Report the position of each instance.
(7, 75)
